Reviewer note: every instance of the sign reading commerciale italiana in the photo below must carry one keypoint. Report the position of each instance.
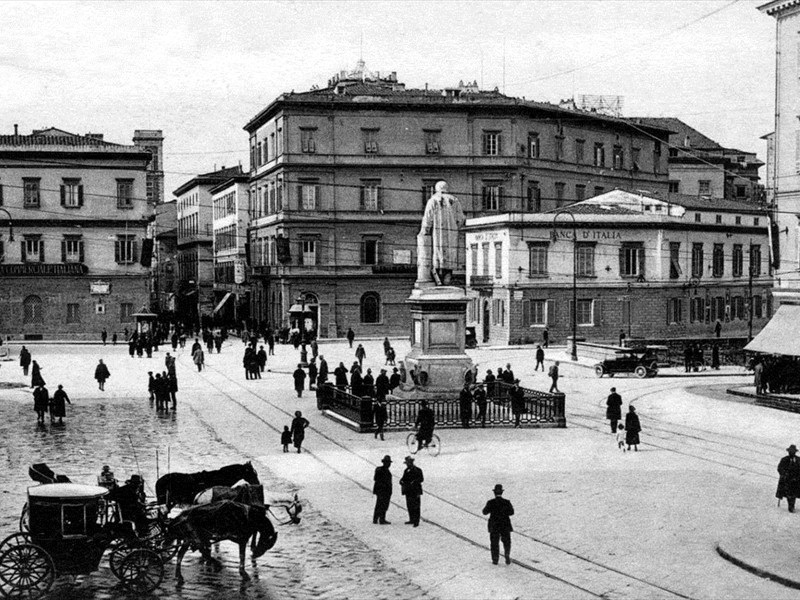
(38, 269)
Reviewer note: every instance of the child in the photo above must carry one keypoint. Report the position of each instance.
(286, 438)
(621, 437)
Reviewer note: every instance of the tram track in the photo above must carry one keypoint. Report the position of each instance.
(593, 565)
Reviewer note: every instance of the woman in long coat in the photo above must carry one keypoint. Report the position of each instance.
(632, 429)
(101, 373)
(58, 405)
(36, 375)
(198, 358)
(40, 402)
(298, 429)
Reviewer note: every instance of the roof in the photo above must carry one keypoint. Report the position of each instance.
(681, 131)
(580, 208)
(66, 490)
(56, 137)
(213, 178)
(778, 6)
(229, 182)
(781, 335)
(719, 204)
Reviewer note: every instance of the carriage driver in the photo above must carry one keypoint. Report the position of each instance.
(131, 501)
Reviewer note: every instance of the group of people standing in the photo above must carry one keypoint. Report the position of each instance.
(163, 387)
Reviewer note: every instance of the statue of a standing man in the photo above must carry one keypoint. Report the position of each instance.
(438, 241)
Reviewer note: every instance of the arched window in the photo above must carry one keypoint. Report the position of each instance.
(370, 308)
(32, 311)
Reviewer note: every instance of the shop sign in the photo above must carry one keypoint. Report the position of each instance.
(238, 272)
(43, 269)
(100, 287)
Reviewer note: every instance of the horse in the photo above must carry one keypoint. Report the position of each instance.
(199, 526)
(181, 488)
(275, 503)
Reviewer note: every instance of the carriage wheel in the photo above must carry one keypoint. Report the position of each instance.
(26, 571)
(161, 545)
(24, 522)
(118, 550)
(15, 539)
(141, 571)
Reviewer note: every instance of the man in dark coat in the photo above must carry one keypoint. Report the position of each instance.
(369, 384)
(340, 374)
(58, 405)
(36, 375)
(151, 385)
(356, 383)
(262, 358)
(539, 358)
(488, 382)
(172, 388)
(382, 490)
(789, 480)
(41, 399)
(554, 377)
(394, 380)
(350, 336)
(312, 373)
(500, 511)
(24, 360)
(517, 402)
(104, 336)
(614, 409)
(508, 375)
(480, 401)
(380, 414)
(299, 380)
(382, 385)
(101, 374)
(322, 377)
(298, 429)
(425, 423)
(411, 488)
(361, 354)
(465, 405)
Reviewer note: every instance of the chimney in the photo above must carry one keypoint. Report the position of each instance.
(16, 129)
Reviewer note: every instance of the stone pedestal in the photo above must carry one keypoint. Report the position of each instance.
(438, 325)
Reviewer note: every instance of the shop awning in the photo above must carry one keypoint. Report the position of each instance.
(221, 302)
(781, 335)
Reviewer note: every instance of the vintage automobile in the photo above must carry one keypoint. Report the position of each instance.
(642, 362)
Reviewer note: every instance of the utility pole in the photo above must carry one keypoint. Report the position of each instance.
(574, 353)
(750, 293)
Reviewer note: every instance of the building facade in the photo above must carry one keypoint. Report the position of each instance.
(340, 176)
(195, 245)
(164, 266)
(80, 214)
(230, 211)
(643, 266)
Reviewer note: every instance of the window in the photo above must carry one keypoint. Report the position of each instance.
(473, 256)
(737, 262)
(758, 309)
(498, 260)
(585, 312)
(124, 193)
(674, 187)
(307, 196)
(71, 193)
(33, 249)
(32, 311)
(308, 252)
(674, 260)
(371, 195)
(718, 261)
(579, 151)
(698, 217)
(718, 219)
(73, 313)
(584, 257)
(741, 191)
(755, 260)
(560, 192)
(755, 222)
(537, 259)
(72, 250)
(696, 309)
(492, 143)
(534, 200)
(631, 259)
(484, 259)
(433, 141)
(370, 251)
(599, 155)
(370, 308)
(370, 137)
(30, 196)
(657, 157)
(125, 312)
(498, 311)
(704, 187)
(737, 307)
(428, 190)
(618, 158)
(272, 148)
(307, 143)
(559, 147)
(534, 147)
(599, 189)
(674, 311)
(125, 249)
(697, 261)
(717, 308)
(737, 220)
(492, 197)
(635, 156)
(535, 313)
(580, 192)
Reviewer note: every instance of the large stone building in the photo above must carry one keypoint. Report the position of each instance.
(340, 176)
(699, 166)
(195, 245)
(641, 265)
(80, 213)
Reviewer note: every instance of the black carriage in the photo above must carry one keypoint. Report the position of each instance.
(68, 533)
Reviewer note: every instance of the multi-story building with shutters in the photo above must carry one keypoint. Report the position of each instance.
(339, 177)
(70, 261)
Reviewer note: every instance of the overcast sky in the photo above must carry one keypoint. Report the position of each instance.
(200, 71)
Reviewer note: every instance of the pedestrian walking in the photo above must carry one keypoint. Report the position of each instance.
(382, 385)
(488, 382)
(717, 328)
(394, 379)
(546, 338)
(218, 341)
(411, 488)
(314, 349)
(151, 388)
(390, 356)
(312, 374)
(172, 389)
(517, 402)
(169, 362)
(198, 358)
(261, 355)
(368, 384)
(715, 357)
(480, 401)
(465, 406)
(620, 437)
(36, 375)
(58, 405)
(131, 347)
(286, 438)
(101, 373)
(789, 477)
(298, 429)
(632, 428)
(340, 376)
(271, 342)
(758, 377)
(350, 336)
(104, 336)
(174, 341)
(299, 380)
(114, 339)
(382, 488)
(361, 354)
(41, 401)
(621, 338)
(322, 377)
(24, 360)
(553, 373)
(381, 415)
(356, 382)
(539, 358)
(500, 511)
(614, 409)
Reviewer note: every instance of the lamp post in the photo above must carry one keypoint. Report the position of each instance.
(574, 315)
(10, 225)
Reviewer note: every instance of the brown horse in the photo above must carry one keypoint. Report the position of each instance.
(200, 526)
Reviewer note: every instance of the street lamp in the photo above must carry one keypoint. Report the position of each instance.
(574, 355)
(10, 225)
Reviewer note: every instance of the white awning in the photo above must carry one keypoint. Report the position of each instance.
(781, 335)
(221, 302)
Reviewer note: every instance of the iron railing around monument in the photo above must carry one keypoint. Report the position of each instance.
(540, 409)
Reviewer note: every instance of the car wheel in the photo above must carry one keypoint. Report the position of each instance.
(641, 372)
(598, 370)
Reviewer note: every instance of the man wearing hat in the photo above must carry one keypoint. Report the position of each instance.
(499, 510)
(382, 490)
(614, 409)
(517, 402)
(789, 480)
(411, 488)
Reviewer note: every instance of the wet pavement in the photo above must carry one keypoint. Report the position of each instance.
(315, 559)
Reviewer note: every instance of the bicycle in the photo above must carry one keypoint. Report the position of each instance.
(433, 447)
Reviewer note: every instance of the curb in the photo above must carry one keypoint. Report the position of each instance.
(757, 570)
